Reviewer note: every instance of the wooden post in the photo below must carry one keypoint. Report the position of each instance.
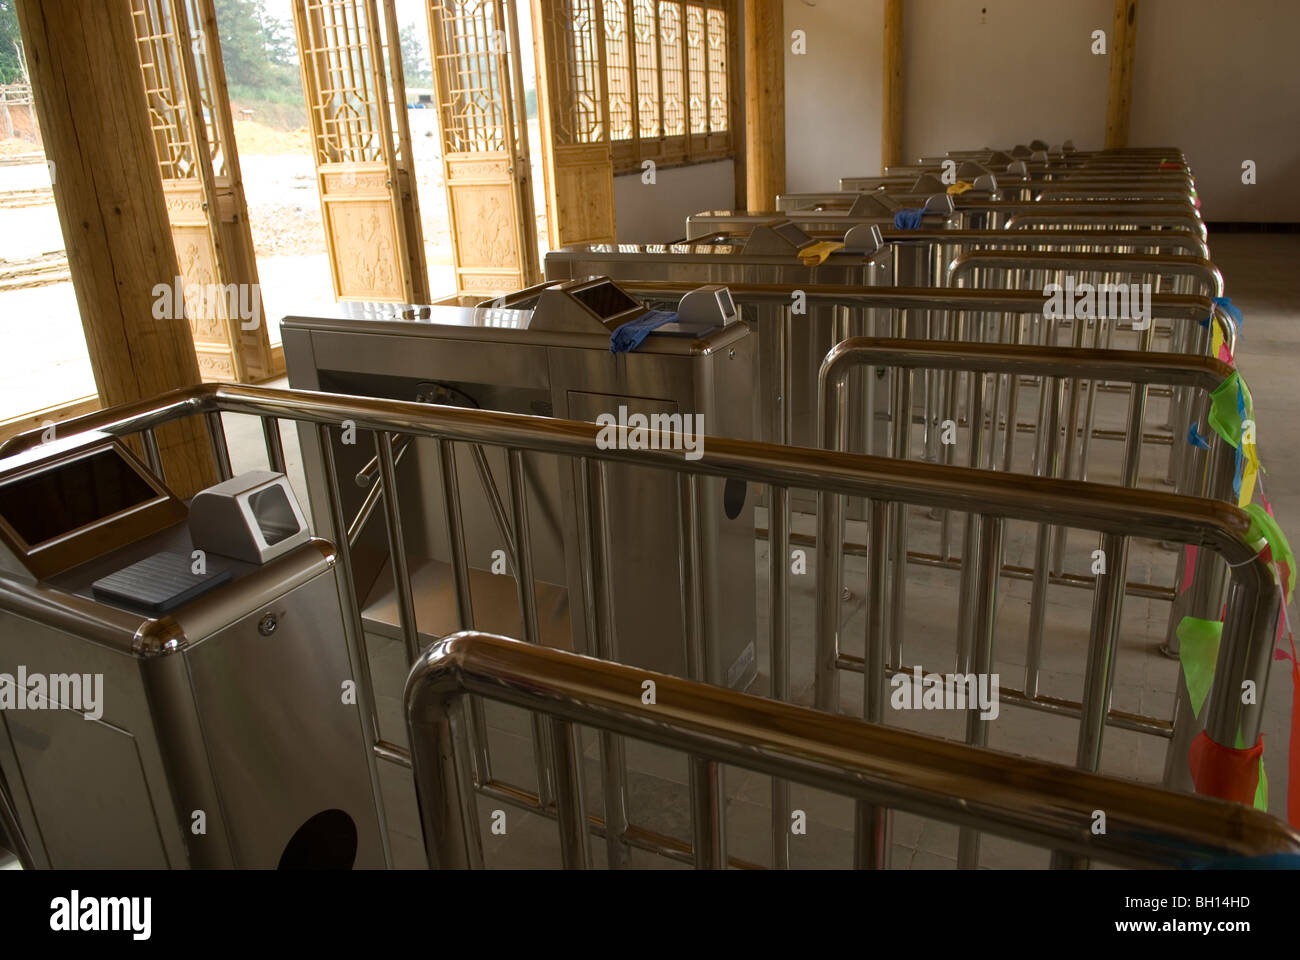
(891, 88)
(1123, 36)
(111, 209)
(764, 103)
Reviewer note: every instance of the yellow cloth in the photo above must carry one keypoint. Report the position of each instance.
(960, 187)
(1216, 336)
(1249, 472)
(814, 254)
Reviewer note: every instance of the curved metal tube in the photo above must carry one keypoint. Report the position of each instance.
(1050, 216)
(1202, 271)
(1247, 633)
(1027, 800)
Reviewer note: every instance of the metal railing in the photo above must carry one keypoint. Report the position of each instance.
(1200, 276)
(1210, 475)
(1116, 513)
(880, 768)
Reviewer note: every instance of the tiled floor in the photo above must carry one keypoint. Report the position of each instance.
(1261, 280)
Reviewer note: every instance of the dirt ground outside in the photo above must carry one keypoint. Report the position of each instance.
(45, 362)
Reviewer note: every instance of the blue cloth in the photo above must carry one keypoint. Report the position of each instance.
(1241, 456)
(1232, 311)
(1195, 439)
(632, 334)
(909, 219)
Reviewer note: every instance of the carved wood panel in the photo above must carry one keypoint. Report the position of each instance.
(479, 95)
(189, 115)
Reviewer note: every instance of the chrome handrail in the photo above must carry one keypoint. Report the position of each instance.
(1119, 513)
(1055, 216)
(1202, 271)
(1136, 368)
(1025, 800)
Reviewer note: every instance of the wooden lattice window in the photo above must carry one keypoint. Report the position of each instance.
(336, 53)
(669, 78)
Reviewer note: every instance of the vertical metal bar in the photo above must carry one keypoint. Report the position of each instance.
(217, 438)
(970, 539)
(1091, 407)
(986, 611)
(274, 444)
(495, 506)
(397, 548)
(830, 536)
(602, 643)
(152, 455)
(952, 408)
(1108, 607)
(570, 806)
(1013, 403)
(1071, 448)
(694, 657)
(444, 784)
(871, 832)
(786, 359)
(898, 533)
(352, 612)
(1245, 655)
(1045, 467)
(464, 600)
(543, 750)
(708, 802)
(778, 607)
(1107, 612)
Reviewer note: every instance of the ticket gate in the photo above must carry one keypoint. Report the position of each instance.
(774, 252)
(162, 703)
(545, 351)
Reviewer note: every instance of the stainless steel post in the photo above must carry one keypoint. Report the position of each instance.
(217, 439)
(464, 601)
(986, 610)
(872, 823)
(602, 644)
(570, 808)
(544, 760)
(274, 444)
(778, 606)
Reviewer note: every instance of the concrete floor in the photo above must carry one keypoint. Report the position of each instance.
(1261, 280)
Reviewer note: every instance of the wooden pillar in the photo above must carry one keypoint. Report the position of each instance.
(91, 108)
(764, 103)
(1123, 36)
(891, 87)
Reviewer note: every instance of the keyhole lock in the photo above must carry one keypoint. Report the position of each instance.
(267, 625)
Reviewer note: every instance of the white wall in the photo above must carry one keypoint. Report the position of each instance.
(1021, 71)
(656, 213)
(1220, 80)
(832, 93)
(1217, 79)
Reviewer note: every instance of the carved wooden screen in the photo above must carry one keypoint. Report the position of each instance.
(363, 158)
(474, 46)
(189, 113)
(669, 69)
(571, 46)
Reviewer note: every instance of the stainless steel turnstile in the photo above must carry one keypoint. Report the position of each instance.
(545, 352)
(167, 706)
(784, 401)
